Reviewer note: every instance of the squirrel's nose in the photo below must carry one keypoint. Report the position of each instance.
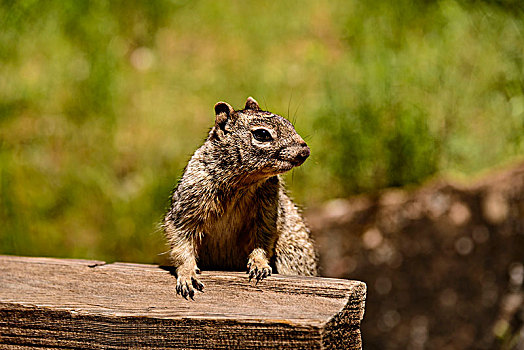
(303, 154)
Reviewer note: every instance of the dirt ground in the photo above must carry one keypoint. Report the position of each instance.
(444, 263)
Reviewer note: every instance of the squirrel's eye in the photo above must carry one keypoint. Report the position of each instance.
(262, 135)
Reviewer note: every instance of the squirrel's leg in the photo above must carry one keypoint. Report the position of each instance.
(264, 235)
(183, 257)
(263, 241)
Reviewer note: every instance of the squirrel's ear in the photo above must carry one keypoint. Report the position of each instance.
(223, 112)
(251, 103)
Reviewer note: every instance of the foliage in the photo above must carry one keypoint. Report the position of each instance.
(102, 103)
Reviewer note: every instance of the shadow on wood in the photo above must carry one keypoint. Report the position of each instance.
(57, 303)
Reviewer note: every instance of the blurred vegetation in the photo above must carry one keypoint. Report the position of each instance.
(103, 102)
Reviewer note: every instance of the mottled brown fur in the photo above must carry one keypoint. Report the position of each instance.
(230, 209)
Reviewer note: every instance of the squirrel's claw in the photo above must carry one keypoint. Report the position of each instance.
(258, 271)
(252, 273)
(186, 283)
(183, 289)
(197, 284)
(265, 272)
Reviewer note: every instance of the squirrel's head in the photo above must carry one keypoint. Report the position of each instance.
(262, 143)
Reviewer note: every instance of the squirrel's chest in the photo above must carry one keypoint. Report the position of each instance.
(228, 240)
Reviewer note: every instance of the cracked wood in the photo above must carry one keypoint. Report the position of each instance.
(60, 303)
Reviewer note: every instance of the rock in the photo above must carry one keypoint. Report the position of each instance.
(443, 263)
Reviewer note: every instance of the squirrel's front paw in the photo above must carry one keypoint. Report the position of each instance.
(258, 268)
(187, 282)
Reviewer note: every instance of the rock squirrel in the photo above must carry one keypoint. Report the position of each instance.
(230, 208)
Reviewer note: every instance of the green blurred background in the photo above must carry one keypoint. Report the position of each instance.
(103, 102)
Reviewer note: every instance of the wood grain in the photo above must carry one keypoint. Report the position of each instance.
(59, 303)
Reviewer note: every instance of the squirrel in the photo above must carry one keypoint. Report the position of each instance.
(230, 210)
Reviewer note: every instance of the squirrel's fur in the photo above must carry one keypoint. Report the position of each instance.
(230, 208)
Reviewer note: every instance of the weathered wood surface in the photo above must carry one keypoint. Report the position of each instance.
(57, 303)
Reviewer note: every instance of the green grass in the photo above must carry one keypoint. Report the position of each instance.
(102, 103)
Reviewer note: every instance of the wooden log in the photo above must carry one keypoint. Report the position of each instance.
(58, 303)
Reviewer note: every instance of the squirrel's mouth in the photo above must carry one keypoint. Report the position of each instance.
(278, 166)
(284, 165)
(294, 156)
(285, 160)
